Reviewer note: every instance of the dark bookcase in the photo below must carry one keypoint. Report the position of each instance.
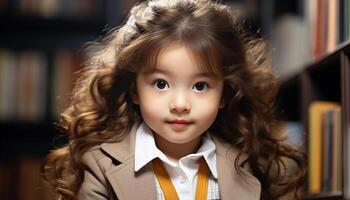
(69, 27)
(25, 142)
(326, 79)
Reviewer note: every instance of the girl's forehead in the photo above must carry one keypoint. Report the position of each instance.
(176, 53)
(183, 71)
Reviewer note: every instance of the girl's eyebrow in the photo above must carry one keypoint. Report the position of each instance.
(200, 74)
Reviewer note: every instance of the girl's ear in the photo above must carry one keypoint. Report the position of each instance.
(222, 103)
(135, 98)
(133, 94)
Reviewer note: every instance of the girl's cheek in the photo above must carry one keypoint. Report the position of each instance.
(152, 101)
(208, 100)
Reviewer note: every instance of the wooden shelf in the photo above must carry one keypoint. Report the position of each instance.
(33, 138)
(325, 196)
(55, 26)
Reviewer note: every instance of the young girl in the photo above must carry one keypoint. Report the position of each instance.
(177, 103)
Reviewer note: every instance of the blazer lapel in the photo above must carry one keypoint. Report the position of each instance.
(129, 185)
(231, 184)
(126, 183)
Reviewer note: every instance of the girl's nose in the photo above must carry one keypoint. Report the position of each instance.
(180, 104)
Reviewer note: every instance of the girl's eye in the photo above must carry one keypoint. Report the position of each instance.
(200, 86)
(160, 84)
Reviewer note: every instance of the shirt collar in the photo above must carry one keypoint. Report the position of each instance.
(146, 150)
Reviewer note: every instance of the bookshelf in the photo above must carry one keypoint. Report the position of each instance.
(49, 31)
(28, 34)
(312, 59)
(51, 34)
(325, 79)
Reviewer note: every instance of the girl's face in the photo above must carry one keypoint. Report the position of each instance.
(178, 100)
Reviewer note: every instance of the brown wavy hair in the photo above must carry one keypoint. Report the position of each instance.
(102, 109)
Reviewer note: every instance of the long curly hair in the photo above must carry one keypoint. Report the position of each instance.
(102, 109)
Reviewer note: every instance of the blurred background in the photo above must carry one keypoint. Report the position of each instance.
(41, 46)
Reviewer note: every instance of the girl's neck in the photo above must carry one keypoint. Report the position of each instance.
(175, 151)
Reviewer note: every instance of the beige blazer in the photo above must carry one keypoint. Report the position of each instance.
(109, 174)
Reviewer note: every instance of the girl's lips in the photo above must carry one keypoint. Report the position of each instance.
(179, 121)
(179, 124)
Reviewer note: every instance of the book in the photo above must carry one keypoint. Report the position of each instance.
(31, 87)
(326, 158)
(346, 167)
(331, 149)
(333, 18)
(315, 146)
(65, 64)
(31, 186)
(337, 152)
(7, 180)
(8, 85)
(346, 10)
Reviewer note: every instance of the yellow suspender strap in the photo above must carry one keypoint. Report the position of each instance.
(202, 180)
(164, 180)
(168, 188)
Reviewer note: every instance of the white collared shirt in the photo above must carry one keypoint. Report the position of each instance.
(182, 174)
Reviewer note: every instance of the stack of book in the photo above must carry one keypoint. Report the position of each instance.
(22, 180)
(325, 147)
(300, 40)
(23, 85)
(25, 79)
(327, 21)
